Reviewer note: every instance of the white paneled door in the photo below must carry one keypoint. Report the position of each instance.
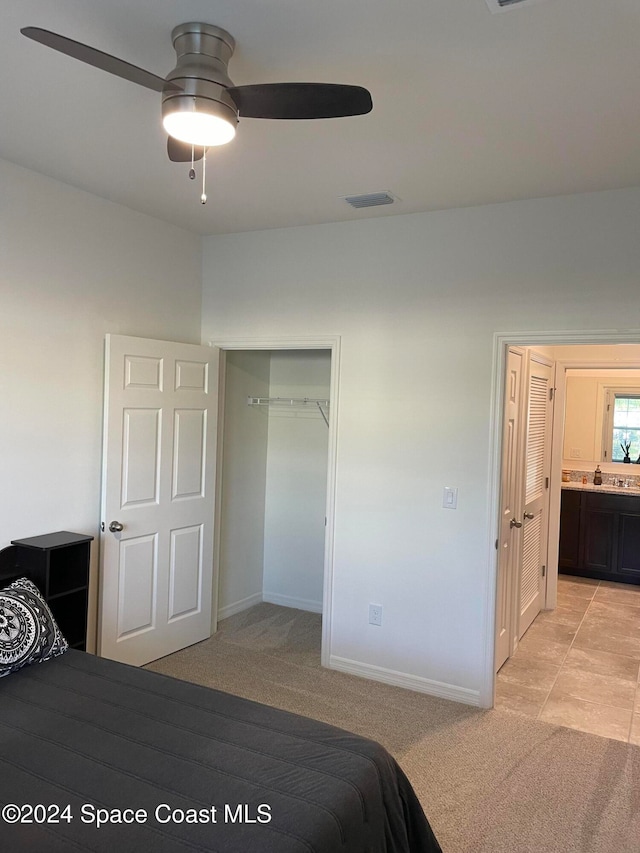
(510, 540)
(158, 489)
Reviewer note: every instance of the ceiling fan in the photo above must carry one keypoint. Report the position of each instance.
(200, 104)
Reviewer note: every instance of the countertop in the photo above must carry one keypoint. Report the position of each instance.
(605, 487)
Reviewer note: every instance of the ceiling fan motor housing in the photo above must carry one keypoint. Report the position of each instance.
(203, 52)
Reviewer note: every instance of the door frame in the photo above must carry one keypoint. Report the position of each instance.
(333, 344)
(501, 343)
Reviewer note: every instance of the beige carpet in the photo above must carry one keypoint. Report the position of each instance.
(489, 781)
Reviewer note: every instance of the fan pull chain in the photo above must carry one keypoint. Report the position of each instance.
(192, 172)
(203, 197)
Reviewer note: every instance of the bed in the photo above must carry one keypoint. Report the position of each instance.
(100, 756)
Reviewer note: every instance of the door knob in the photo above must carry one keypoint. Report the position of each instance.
(529, 515)
(116, 527)
(512, 523)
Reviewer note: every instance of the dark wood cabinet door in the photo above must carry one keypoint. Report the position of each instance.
(598, 527)
(568, 557)
(628, 556)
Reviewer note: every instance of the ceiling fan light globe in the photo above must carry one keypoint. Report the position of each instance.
(199, 128)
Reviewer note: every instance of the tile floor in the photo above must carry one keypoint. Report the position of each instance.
(579, 665)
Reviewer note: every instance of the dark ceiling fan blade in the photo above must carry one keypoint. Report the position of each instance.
(180, 152)
(99, 59)
(300, 100)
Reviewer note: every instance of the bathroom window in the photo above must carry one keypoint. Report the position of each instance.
(622, 425)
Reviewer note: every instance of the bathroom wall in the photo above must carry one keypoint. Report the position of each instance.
(584, 439)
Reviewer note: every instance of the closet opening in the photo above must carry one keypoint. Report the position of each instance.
(276, 455)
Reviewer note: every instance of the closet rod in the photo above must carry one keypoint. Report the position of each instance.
(286, 401)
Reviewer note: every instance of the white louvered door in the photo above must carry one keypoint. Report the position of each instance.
(510, 508)
(156, 561)
(531, 581)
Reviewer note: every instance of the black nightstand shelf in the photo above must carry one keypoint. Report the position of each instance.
(58, 564)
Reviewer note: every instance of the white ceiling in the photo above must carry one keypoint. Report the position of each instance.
(470, 107)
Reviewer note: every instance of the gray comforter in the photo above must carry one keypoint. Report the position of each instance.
(100, 756)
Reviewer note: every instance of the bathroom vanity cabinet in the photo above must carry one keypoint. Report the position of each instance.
(600, 535)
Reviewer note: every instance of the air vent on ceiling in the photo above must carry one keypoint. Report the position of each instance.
(505, 5)
(369, 199)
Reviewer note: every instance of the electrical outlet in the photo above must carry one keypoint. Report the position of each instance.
(576, 453)
(375, 614)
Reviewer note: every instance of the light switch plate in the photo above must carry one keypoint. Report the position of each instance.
(450, 498)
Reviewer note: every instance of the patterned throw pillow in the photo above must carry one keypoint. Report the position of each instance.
(28, 631)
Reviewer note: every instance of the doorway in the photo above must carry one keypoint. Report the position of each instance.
(274, 524)
(524, 509)
(586, 350)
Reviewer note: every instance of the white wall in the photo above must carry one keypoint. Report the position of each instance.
(73, 267)
(244, 466)
(416, 300)
(296, 486)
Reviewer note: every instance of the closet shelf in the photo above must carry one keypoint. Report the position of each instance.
(292, 402)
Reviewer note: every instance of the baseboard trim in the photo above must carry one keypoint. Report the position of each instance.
(402, 679)
(271, 598)
(292, 601)
(239, 606)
